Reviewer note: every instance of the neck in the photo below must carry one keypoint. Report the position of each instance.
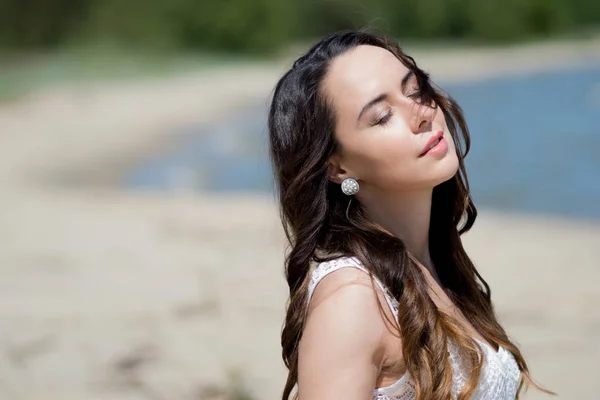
(406, 215)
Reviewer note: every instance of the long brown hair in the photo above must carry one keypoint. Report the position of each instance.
(321, 223)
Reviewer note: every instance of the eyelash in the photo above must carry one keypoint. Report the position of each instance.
(415, 94)
(385, 119)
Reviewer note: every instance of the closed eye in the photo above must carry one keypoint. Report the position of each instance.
(415, 94)
(384, 119)
(414, 91)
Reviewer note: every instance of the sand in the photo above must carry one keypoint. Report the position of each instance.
(110, 294)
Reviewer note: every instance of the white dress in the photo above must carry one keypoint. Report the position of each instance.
(500, 374)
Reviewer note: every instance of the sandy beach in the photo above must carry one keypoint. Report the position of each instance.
(116, 295)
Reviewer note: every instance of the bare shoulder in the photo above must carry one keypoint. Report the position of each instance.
(349, 291)
(346, 282)
(345, 309)
(342, 344)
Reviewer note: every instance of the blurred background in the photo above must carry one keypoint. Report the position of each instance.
(141, 256)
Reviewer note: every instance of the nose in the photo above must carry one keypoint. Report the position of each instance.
(424, 116)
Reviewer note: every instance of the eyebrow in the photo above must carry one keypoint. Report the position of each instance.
(384, 96)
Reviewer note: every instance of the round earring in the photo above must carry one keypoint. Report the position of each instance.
(350, 186)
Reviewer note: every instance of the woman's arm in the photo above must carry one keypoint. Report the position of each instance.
(342, 346)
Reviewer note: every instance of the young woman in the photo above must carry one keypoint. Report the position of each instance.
(384, 302)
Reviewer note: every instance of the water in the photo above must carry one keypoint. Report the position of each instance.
(535, 147)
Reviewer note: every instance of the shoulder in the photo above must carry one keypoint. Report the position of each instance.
(342, 345)
(345, 271)
(345, 287)
(345, 308)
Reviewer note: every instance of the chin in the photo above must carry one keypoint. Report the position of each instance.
(446, 170)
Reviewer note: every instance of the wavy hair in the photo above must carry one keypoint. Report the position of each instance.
(321, 223)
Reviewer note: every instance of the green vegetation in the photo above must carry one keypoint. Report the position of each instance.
(267, 25)
(47, 42)
(28, 70)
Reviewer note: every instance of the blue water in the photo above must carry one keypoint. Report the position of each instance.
(535, 147)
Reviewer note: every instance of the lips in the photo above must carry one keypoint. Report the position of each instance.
(432, 142)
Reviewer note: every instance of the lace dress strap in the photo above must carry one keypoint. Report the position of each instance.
(327, 267)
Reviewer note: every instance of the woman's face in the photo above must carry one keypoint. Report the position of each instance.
(384, 134)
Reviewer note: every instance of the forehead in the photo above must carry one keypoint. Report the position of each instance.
(361, 74)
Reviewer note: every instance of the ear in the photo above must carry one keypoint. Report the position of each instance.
(336, 171)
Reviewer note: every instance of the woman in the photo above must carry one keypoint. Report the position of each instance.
(384, 301)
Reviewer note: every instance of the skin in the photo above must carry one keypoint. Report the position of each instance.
(347, 345)
(396, 184)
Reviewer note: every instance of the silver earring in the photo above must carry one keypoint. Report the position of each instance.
(350, 186)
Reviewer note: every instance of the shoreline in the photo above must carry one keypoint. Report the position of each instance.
(103, 112)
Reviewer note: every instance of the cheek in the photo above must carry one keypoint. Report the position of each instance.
(440, 120)
(385, 156)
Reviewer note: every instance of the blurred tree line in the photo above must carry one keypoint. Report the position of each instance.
(264, 25)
